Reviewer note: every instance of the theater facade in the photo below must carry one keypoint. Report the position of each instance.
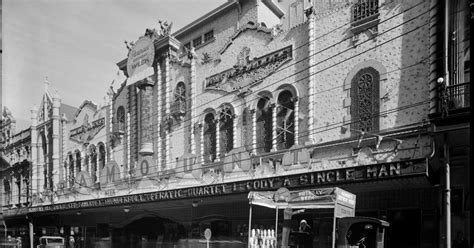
(254, 95)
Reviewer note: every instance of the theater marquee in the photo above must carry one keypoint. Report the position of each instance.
(382, 171)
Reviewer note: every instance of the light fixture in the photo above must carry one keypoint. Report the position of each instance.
(78, 213)
(195, 204)
(126, 209)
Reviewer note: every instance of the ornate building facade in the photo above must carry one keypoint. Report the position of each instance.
(256, 95)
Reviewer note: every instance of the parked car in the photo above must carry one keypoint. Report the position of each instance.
(51, 242)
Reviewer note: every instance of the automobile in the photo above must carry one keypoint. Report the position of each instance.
(51, 242)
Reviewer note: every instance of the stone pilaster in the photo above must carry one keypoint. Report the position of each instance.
(128, 146)
(296, 116)
(159, 102)
(34, 152)
(168, 99)
(201, 133)
(312, 73)
(254, 131)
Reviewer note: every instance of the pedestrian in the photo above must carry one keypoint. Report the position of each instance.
(306, 238)
(287, 215)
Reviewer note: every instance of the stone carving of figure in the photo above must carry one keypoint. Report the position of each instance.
(165, 28)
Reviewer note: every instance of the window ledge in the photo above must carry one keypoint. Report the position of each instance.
(364, 24)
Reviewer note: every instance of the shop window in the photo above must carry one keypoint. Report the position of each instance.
(209, 138)
(121, 120)
(178, 108)
(101, 156)
(365, 100)
(285, 120)
(197, 41)
(226, 129)
(209, 36)
(264, 125)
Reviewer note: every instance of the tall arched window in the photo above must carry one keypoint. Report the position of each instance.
(264, 125)
(365, 100)
(226, 129)
(180, 99)
(93, 156)
(71, 169)
(209, 138)
(101, 156)
(121, 119)
(78, 161)
(285, 120)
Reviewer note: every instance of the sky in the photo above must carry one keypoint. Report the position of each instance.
(76, 44)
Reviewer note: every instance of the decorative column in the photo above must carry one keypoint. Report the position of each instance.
(129, 157)
(63, 146)
(312, 76)
(218, 137)
(34, 152)
(15, 191)
(274, 127)
(201, 133)
(296, 119)
(193, 93)
(168, 111)
(146, 113)
(159, 101)
(234, 133)
(253, 112)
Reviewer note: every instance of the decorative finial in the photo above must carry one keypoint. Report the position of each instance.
(46, 83)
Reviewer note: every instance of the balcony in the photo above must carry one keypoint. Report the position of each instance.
(454, 98)
(453, 103)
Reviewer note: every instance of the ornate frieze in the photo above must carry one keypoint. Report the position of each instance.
(87, 131)
(246, 73)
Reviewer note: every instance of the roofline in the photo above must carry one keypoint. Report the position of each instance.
(205, 17)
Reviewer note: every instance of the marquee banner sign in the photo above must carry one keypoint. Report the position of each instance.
(373, 172)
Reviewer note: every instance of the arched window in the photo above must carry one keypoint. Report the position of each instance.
(285, 120)
(264, 125)
(121, 119)
(78, 161)
(365, 100)
(209, 138)
(101, 156)
(179, 105)
(71, 169)
(226, 129)
(93, 156)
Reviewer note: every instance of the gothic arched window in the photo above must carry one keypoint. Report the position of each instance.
(365, 100)
(71, 169)
(264, 125)
(179, 105)
(121, 119)
(226, 129)
(78, 161)
(93, 156)
(285, 120)
(101, 155)
(209, 138)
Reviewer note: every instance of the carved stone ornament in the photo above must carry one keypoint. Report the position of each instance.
(247, 73)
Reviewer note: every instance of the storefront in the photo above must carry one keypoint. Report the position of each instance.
(180, 216)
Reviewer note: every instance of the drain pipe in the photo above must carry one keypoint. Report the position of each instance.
(447, 190)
